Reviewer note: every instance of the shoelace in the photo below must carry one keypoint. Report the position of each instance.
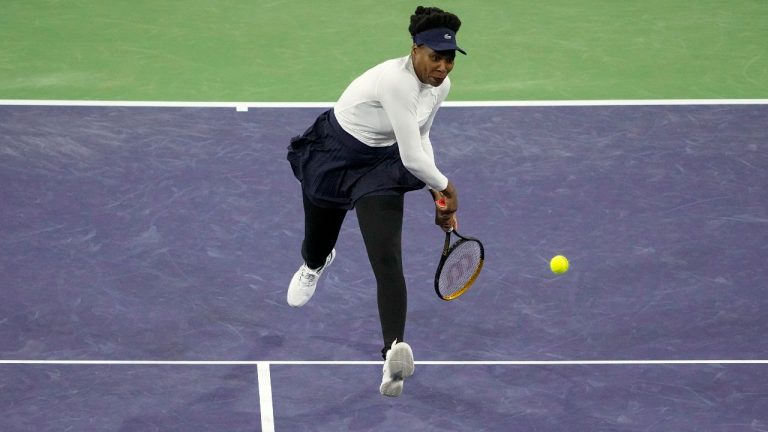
(307, 277)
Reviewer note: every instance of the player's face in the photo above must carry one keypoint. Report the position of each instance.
(432, 66)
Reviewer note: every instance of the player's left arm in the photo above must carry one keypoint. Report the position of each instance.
(398, 99)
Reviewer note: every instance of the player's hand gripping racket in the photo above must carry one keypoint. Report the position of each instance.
(460, 264)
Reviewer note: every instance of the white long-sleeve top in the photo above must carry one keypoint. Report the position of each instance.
(388, 104)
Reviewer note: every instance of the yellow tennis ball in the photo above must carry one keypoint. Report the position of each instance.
(559, 264)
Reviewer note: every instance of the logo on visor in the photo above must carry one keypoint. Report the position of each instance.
(446, 36)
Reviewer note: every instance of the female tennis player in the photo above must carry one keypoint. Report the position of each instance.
(365, 153)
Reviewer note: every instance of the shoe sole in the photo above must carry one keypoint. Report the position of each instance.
(391, 389)
(401, 362)
(400, 367)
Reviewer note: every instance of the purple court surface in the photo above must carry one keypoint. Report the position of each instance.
(145, 253)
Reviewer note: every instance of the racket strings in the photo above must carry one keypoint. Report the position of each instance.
(460, 268)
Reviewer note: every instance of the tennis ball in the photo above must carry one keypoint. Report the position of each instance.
(559, 264)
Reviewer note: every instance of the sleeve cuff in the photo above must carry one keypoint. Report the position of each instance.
(440, 184)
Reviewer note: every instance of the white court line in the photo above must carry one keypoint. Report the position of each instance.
(243, 106)
(265, 398)
(265, 381)
(359, 363)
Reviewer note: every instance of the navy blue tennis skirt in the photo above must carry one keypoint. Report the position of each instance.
(335, 169)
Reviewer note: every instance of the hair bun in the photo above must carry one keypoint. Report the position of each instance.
(421, 10)
(426, 18)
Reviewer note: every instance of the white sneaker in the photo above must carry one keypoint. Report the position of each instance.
(304, 282)
(397, 367)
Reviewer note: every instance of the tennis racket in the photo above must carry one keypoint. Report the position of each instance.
(459, 266)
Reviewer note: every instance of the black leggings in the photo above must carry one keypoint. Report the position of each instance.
(381, 223)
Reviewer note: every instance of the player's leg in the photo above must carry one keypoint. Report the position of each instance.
(321, 230)
(381, 222)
